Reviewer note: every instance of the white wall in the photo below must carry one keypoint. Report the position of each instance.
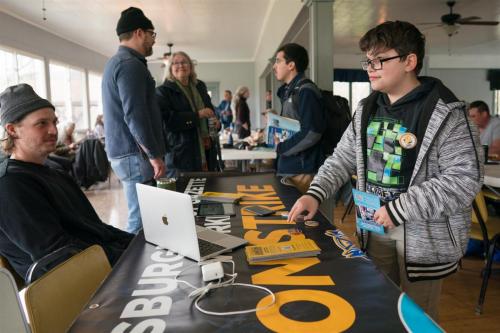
(466, 84)
(22, 36)
(229, 75)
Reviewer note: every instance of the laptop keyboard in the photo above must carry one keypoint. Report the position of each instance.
(207, 248)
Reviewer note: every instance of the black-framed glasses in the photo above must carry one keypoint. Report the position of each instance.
(376, 63)
(153, 34)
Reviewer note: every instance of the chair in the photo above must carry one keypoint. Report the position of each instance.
(12, 317)
(350, 205)
(55, 299)
(487, 230)
(17, 278)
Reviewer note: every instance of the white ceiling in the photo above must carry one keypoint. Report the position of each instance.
(231, 30)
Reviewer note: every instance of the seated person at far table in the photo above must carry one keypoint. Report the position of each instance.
(66, 144)
(42, 209)
(489, 127)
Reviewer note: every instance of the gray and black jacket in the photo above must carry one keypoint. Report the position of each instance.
(436, 209)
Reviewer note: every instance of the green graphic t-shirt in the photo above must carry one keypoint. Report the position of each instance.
(390, 159)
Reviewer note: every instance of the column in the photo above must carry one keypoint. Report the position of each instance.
(321, 42)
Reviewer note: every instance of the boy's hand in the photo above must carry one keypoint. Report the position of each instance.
(383, 218)
(305, 202)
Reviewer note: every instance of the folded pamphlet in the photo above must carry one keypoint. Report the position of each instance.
(280, 127)
(221, 197)
(283, 250)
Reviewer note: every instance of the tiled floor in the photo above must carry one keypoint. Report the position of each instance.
(109, 202)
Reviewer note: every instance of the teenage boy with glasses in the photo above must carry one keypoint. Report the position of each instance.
(132, 120)
(411, 144)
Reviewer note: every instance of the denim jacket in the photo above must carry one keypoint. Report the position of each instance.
(131, 114)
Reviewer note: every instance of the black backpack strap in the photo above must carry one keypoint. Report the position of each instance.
(304, 83)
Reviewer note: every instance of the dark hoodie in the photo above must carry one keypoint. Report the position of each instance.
(389, 164)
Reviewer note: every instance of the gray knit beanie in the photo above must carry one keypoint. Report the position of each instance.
(18, 101)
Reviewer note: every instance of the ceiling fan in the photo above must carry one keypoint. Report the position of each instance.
(166, 56)
(452, 21)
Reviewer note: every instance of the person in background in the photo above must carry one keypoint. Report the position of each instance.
(299, 156)
(132, 120)
(189, 122)
(66, 144)
(411, 145)
(489, 127)
(67, 135)
(99, 127)
(224, 109)
(42, 209)
(269, 99)
(242, 112)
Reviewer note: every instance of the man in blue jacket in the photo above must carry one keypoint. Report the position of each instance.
(300, 156)
(132, 120)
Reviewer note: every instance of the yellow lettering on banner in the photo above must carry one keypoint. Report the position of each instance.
(341, 317)
(265, 202)
(250, 222)
(254, 188)
(275, 236)
(268, 196)
(275, 208)
(281, 275)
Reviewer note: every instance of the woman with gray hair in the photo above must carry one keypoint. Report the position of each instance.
(189, 122)
(242, 111)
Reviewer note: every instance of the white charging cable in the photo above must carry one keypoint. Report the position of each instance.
(200, 292)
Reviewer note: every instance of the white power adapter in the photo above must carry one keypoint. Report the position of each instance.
(212, 271)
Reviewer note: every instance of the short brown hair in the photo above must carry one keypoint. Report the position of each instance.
(480, 106)
(126, 35)
(401, 36)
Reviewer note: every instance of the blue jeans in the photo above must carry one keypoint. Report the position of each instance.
(131, 170)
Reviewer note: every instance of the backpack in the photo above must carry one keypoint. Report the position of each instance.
(337, 114)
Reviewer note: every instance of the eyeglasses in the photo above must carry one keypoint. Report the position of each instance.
(376, 63)
(153, 34)
(277, 60)
(180, 63)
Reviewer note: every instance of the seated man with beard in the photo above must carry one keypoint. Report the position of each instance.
(42, 209)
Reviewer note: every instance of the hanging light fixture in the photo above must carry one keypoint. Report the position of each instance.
(44, 11)
(451, 29)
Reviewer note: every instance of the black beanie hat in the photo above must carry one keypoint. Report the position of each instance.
(131, 19)
(18, 101)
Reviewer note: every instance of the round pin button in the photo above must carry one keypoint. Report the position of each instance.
(311, 223)
(294, 231)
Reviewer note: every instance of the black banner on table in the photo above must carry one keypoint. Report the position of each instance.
(340, 290)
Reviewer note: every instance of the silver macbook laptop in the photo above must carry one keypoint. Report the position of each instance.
(168, 221)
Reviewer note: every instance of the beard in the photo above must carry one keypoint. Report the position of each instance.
(148, 48)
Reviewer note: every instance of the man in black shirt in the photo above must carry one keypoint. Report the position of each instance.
(42, 209)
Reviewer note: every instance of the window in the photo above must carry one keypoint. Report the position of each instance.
(18, 68)
(496, 103)
(353, 91)
(95, 97)
(359, 90)
(67, 87)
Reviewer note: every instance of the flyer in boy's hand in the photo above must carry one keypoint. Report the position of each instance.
(366, 206)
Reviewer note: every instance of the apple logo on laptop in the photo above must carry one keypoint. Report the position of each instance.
(164, 219)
